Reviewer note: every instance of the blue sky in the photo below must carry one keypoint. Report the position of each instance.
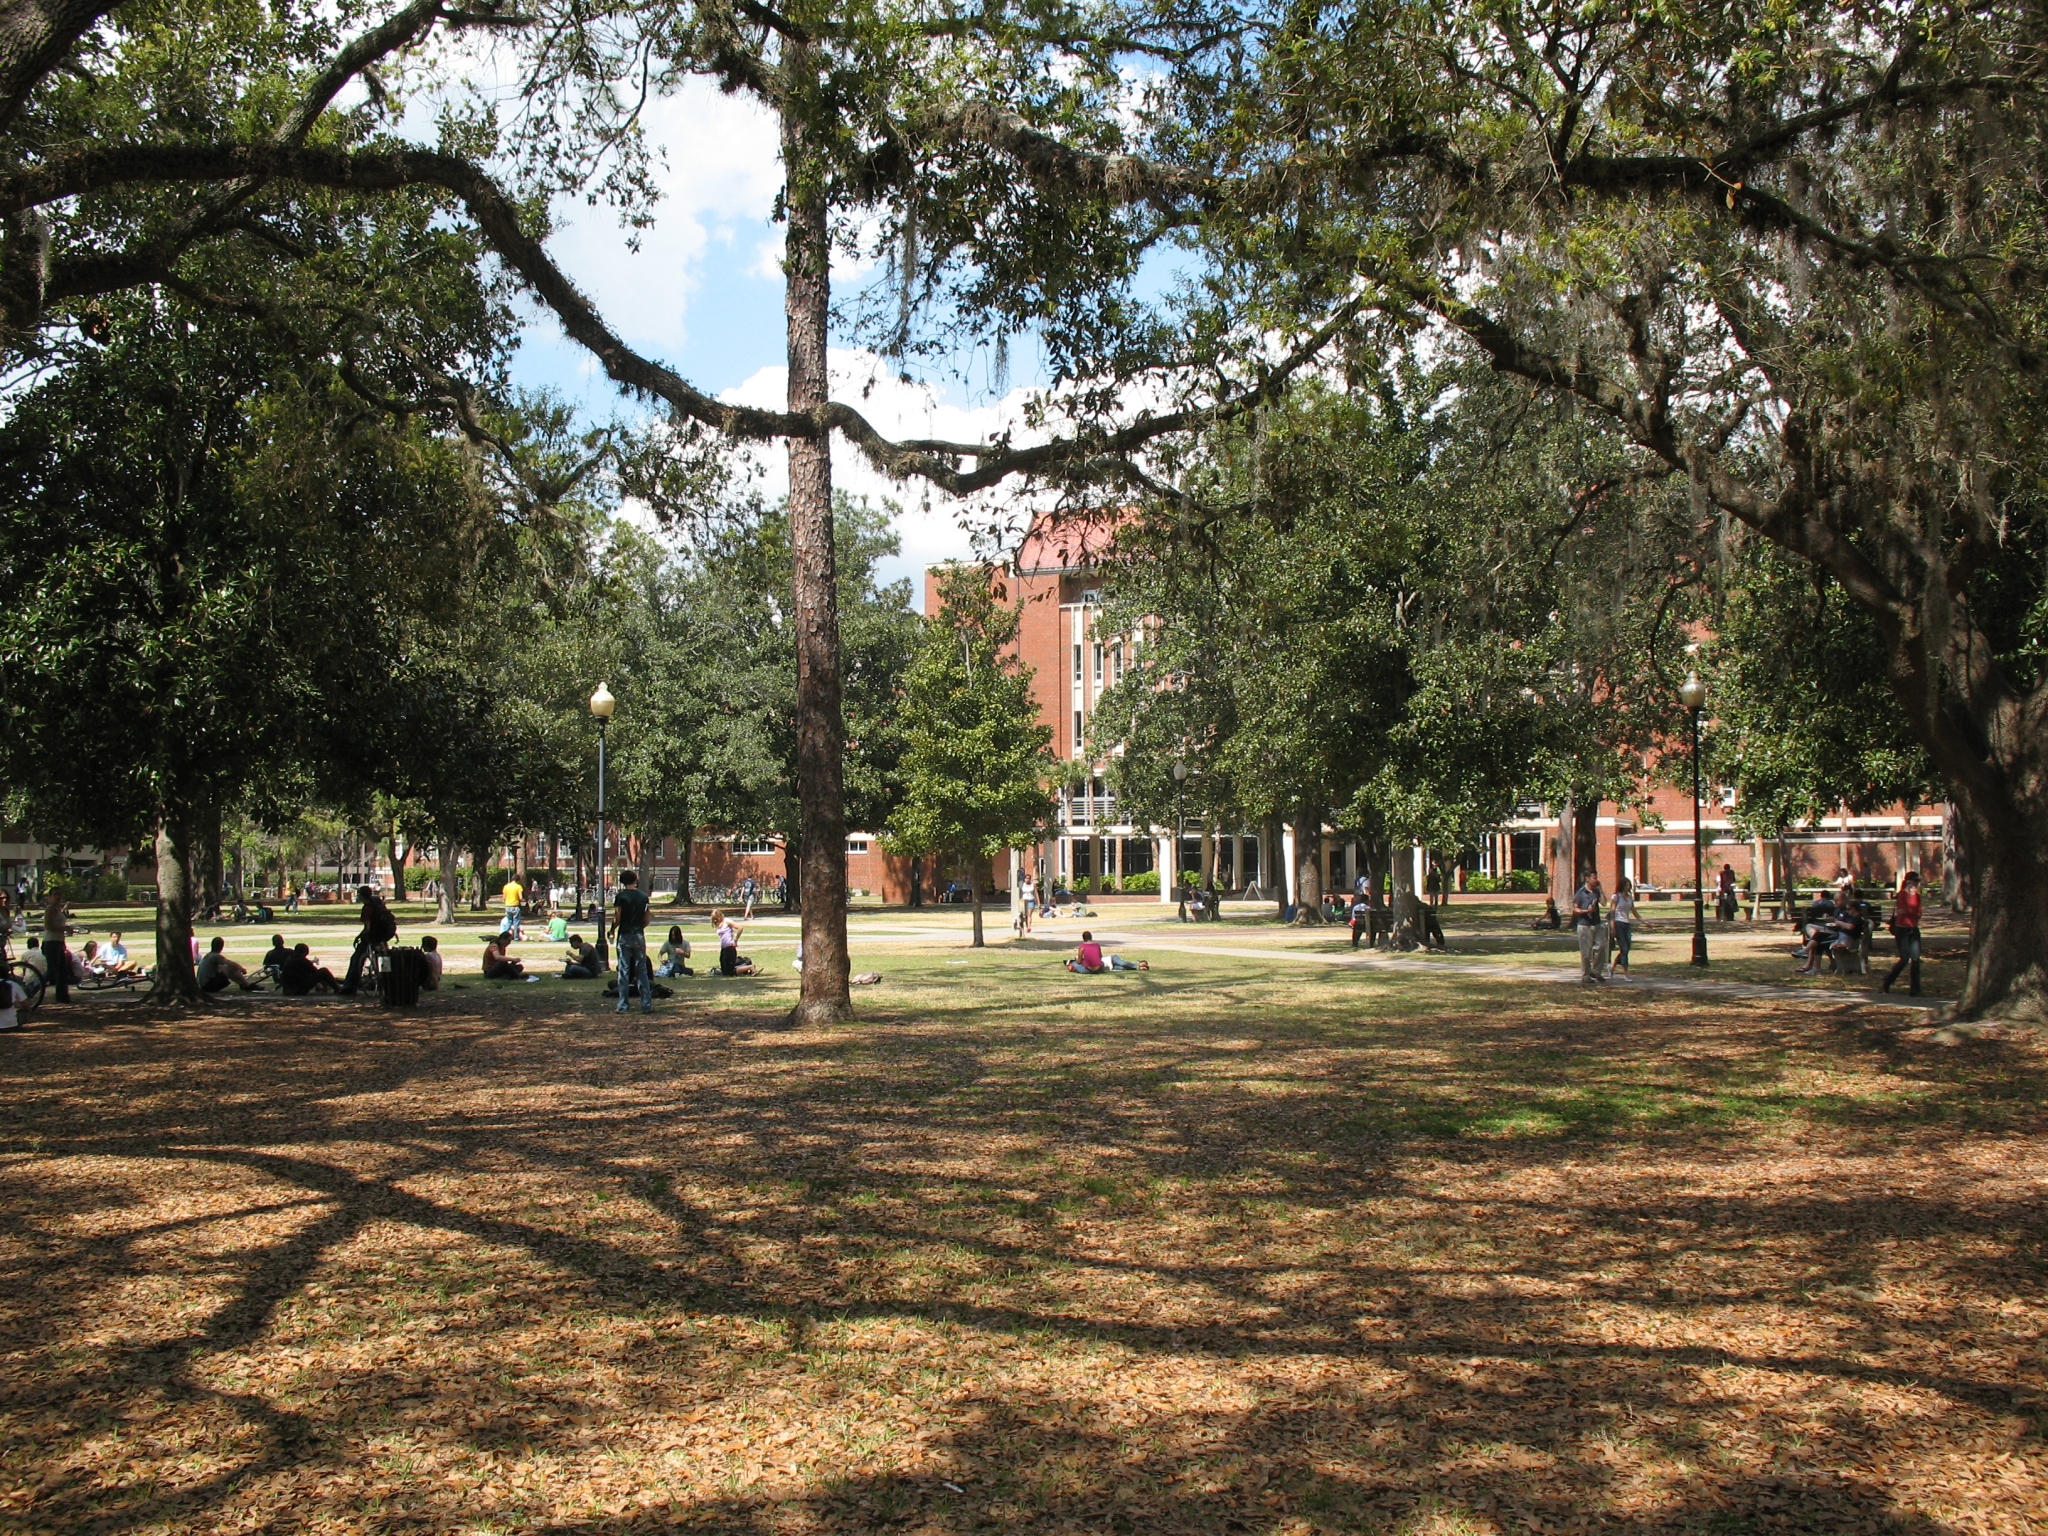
(703, 293)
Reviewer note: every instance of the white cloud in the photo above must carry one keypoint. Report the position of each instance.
(718, 184)
(932, 525)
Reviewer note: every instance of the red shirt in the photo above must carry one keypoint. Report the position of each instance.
(1091, 956)
(1907, 912)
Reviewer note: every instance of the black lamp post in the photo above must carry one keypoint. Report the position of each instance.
(1693, 695)
(1180, 830)
(601, 706)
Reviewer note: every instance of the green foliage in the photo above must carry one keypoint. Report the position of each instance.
(975, 759)
(1529, 881)
(1802, 721)
(1145, 883)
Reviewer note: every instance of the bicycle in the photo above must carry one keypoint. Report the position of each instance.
(29, 978)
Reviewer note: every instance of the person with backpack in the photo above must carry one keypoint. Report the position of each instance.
(1906, 932)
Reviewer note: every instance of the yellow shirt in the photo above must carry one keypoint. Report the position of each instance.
(512, 893)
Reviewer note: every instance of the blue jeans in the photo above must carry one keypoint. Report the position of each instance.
(633, 968)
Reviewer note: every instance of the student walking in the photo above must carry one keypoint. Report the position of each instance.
(1623, 918)
(1906, 932)
(749, 889)
(1591, 931)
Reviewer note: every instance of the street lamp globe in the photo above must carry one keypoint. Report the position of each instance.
(602, 703)
(1180, 771)
(1692, 693)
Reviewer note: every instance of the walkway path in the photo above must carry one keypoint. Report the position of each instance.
(1742, 990)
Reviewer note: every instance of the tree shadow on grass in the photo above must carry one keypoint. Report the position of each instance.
(754, 1199)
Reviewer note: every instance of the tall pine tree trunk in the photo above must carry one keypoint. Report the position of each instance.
(176, 981)
(820, 723)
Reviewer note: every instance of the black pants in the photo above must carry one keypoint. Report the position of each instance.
(1909, 956)
(353, 982)
(57, 969)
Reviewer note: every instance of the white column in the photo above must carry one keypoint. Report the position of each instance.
(1350, 866)
(1168, 856)
(1286, 873)
(1237, 860)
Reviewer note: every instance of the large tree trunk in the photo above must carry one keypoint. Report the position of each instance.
(1308, 851)
(176, 981)
(450, 873)
(1586, 841)
(820, 723)
(2007, 855)
(1274, 868)
(1407, 930)
(479, 867)
(206, 851)
(976, 870)
(686, 842)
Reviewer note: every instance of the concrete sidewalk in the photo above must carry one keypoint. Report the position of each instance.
(1554, 975)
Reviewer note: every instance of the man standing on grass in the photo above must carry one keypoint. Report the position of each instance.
(379, 929)
(514, 893)
(1592, 932)
(630, 905)
(56, 963)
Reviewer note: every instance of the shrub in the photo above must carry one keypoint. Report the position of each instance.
(1484, 885)
(1146, 883)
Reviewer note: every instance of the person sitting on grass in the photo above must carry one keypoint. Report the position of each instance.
(303, 974)
(582, 962)
(1551, 917)
(216, 970)
(558, 929)
(277, 956)
(430, 952)
(1089, 960)
(730, 961)
(675, 954)
(117, 959)
(499, 965)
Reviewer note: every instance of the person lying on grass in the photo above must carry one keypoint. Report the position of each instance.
(1090, 961)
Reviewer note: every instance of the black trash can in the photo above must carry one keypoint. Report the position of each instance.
(400, 977)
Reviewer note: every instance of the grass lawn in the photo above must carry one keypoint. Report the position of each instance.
(1250, 1241)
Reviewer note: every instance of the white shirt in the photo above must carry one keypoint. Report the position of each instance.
(727, 936)
(10, 993)
(1624, 908)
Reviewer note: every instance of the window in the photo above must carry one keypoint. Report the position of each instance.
(1077, 666)
(1077, 733)
(753, 845)
(1098, 666)
(1116, 662)
(856, 845)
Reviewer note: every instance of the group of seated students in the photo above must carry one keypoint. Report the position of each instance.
(1833, 928)
(1089, 960)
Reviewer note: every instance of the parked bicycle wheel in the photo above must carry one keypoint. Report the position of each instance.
(30, 980)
